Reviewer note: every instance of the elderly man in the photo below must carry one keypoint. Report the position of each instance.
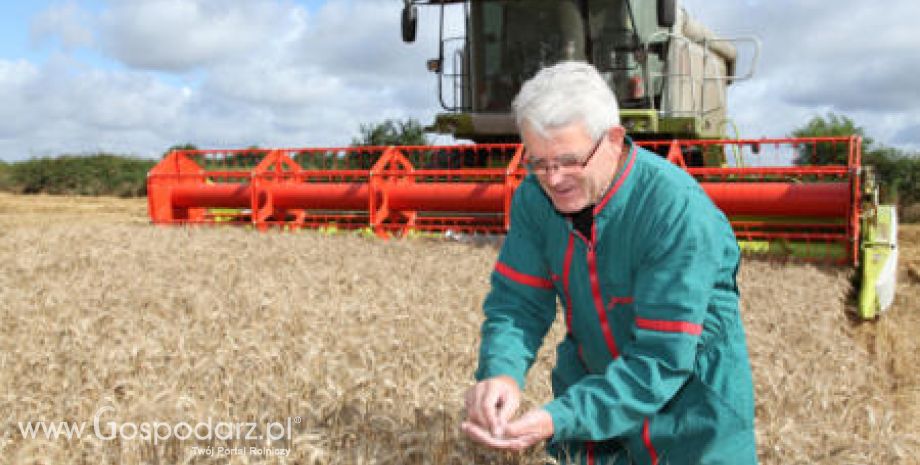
(654, 368)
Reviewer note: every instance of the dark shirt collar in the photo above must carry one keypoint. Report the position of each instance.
(583, 220)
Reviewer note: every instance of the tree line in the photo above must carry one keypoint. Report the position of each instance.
(126, 176)
(98, 174)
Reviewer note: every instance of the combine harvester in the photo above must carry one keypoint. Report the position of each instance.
(808, 199)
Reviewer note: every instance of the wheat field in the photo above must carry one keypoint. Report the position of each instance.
(358, 351)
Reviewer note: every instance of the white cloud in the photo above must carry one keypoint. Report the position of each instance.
(16, 118)
(61, 107)
(854, 58)
(178, 35)
(346, 66)
(65, 22)
(219, 73)
(234, 73)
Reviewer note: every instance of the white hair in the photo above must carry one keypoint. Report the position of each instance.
(563, 94)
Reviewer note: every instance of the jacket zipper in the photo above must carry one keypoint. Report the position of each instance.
(594, 283)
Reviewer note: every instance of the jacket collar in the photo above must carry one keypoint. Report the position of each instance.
(623, 171)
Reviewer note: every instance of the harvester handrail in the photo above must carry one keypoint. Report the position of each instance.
(757, 170)
(749, 141)
(351, 148)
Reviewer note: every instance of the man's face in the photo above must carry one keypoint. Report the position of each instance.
(573, 169)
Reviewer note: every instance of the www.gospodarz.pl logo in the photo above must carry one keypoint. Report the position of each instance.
(160, 431)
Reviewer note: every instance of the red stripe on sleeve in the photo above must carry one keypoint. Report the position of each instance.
(670, 326)
(522, 278)
(614, 301)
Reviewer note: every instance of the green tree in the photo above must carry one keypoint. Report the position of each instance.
(391, 132)
(4, 175)
(897, 172)
(388, 132)
(185, 146)
(826, 153)
(246, 160)
(832, 125)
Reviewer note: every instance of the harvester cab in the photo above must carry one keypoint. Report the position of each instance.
(668, 71)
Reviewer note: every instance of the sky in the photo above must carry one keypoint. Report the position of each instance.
(138, 76)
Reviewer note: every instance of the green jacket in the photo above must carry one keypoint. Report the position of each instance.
(654, 367)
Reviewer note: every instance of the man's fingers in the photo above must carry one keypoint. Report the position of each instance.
(519, 427)
(474, 405)
(477, 433)
(482, 436)
(537, 423)
(518, 444)
(481, 404)
(510, 405)
(491, 404)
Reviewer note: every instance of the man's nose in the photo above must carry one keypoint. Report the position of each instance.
(553, 175)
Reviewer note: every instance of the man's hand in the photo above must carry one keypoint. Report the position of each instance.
(533, 427)
(491, 403)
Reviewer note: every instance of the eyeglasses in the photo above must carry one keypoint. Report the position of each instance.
(566, 164)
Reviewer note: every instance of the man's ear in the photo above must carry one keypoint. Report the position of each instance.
(616, 134)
